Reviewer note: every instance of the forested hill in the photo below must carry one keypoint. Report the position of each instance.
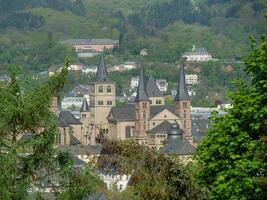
(30, 29)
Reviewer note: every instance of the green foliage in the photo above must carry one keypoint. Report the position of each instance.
(231, 156)
(154, 175)
(21, 161)
(81, 185)
(34, 163)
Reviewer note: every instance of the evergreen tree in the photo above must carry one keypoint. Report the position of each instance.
(27, 165)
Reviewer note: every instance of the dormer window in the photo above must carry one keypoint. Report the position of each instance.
(100, 89)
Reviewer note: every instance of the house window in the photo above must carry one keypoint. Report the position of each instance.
(100, 103)
(109, 88)
(109, 103)
(158, 102)
(100, 89)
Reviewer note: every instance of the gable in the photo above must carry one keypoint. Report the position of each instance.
(165, 114)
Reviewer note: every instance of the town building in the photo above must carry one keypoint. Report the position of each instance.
(134, 82)
(81, 90)
(191, 79)
(68, 103)
(162, 84)
(199, 54)
(76, 67)
(91, 45)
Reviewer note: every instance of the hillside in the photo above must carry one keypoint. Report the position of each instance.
(30, 30)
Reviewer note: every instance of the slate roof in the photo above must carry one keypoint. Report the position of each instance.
(178, 146)
(102, 73)
(81, 150)
(141, 90)
(77, 161)
(182, 93)
(162, 127)
(74, 140)
(128, 113)
(123, 114)
(66, 118)
(85, 106)
(152, 88)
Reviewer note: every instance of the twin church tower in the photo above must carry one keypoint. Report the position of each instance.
(147, 121)
(142, 121)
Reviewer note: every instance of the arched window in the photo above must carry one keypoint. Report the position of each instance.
(109, 88)
(100, 89)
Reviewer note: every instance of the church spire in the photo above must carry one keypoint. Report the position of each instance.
(182, 93)
(102, 74)
(141, 91)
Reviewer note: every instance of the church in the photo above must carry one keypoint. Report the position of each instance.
(147, 120)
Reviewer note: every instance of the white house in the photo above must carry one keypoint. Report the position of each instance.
(76, 67)
(162, 85)
(199, 54)
(90, 70)
(115, 181)
(134, 82)
(191, 79)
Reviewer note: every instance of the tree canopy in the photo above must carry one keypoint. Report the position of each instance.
(233, 154)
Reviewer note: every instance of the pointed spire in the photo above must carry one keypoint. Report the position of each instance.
(141, 91)
(182, 93)
(85, 107)
(102, 73)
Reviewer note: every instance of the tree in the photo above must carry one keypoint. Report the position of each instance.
(232, 154)
(153, 175)
(26, 164)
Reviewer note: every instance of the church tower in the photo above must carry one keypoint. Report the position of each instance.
(85, 120)
(142, 110)
(182, 104)
(102, 99)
